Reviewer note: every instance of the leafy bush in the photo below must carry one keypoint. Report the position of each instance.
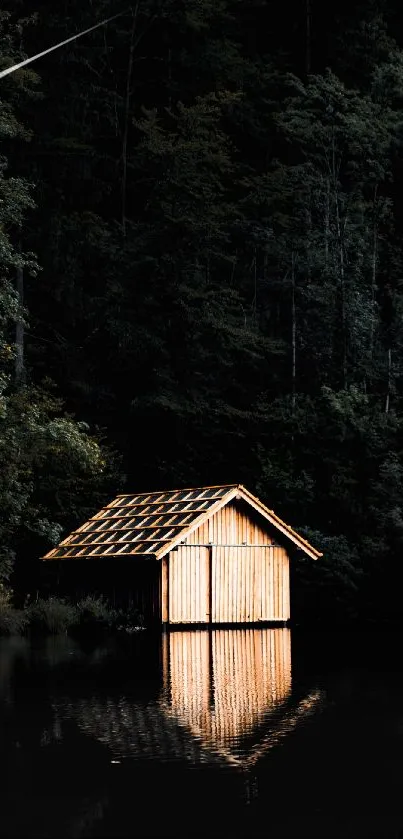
(95, 613)
(52, 616)
(128, 620)
(12, 621)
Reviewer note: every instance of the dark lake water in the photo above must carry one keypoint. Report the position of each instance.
(225, 733)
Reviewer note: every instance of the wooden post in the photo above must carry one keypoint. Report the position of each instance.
(209, 583)
(165, 589)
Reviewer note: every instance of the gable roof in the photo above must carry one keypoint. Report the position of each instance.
(152, 524)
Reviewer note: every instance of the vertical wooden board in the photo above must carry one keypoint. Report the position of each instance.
(277, 584)
(184, 579)
(187, 576)
(224, 614)
(213, 585)
(288, 595)
(271, 559)
(182, 585)
(197, 594)
(249, 570)
(192, 553)
(208, 573)
(164, 589)
(243, 587)
(255, 552)
(222, 587)
(266, 585)
(178, 586)
(234, 578)
(215, 588)
(171, 607)
(239, 588)
(243, 529)
(251, 563)
(247, 586)
(189, 561)
(206, 563)
(234, 583)
(263, 586)
(251, 553)
(253, 586)
(237, 594)
(217, 584)
(280, 584)
(259, 588)
(285, 587)
(227, 586)
(238, 606)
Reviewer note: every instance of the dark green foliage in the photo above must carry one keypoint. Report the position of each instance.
(94, 615)
(12, 621)
(52, 616)
(218, 224)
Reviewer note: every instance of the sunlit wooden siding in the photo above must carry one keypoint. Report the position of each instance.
(249, 584)
(223, 684)
(229, 571)
(188, 585)
(232, 525)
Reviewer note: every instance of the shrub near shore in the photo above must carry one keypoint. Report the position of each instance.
(55, 616)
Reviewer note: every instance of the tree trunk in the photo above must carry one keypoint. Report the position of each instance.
(127, 114)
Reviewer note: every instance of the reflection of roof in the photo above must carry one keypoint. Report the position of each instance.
(140, 731)
(152, 731)
(151, 524)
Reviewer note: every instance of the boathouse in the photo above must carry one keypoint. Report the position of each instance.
(212, 555)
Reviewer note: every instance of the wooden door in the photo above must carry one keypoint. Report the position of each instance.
(236, 584)
(189, 585)
(249, 584)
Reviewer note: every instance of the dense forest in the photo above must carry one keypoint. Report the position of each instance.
(201, 244)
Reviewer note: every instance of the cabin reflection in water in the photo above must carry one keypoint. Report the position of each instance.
(223, 684)
(225, 699)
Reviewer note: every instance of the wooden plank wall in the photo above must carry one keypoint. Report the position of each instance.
(249, 583)
(232, 525)
(188, 585)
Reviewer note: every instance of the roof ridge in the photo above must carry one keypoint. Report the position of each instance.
(177, 489)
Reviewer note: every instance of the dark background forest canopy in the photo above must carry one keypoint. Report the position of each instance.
(202, 273)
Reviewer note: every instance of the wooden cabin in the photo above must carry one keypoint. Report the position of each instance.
(213, 555)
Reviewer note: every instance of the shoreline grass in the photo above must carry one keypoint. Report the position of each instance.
(58, 616)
